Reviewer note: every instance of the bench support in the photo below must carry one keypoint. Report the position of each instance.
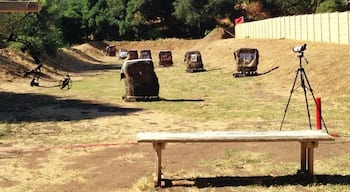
(308, 140)
(307, 157)
(158, 147)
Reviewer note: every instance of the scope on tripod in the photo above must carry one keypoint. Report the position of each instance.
(300, 48)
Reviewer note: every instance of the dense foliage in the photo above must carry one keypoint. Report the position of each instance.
(71, 21)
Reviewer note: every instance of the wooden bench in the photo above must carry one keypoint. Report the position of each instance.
(308, 139)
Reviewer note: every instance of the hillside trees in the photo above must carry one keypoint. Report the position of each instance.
(331, 6)
(74, 20)
(140, 19)
(137, 13)
(144, 19)
(198, 17)
(35, 33)
(5, 29)
(290, 7)
(192, 15)
(71, 21)
(297, 7)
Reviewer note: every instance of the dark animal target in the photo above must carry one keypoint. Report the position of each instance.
(111, 50)
(141, 82)
(132, 54)
(193, 60)
(247, 60)
(165, 58)
(145, 54)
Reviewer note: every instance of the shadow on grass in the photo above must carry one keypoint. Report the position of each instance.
(181, 100)
(238, 75)
(15, 107)
(11, 67)
(265, 181)
(215, 69)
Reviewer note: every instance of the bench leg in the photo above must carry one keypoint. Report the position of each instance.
(158, 148)
(310, 159)
(303, 157)
(307, 157)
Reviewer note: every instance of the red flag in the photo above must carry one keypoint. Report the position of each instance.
(239, 20)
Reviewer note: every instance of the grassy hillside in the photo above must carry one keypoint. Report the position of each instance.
(42, 127)
(241, 99)
(256, 102)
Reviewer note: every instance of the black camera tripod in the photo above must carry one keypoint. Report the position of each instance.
(303, 79)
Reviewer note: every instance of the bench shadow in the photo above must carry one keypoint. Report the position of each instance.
(265, 181)
(27, 107)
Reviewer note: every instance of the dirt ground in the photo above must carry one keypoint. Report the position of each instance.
(81, 151)
(118, 167)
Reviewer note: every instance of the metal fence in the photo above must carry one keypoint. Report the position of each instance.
(325, 27)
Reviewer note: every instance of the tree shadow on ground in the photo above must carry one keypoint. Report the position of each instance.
(84, 55)
(16, 107)
(265, 181)
(72, 63)
(100, 45)
(11, 67)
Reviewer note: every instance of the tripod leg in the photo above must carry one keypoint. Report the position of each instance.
(290, 96)
(302, 76)
(313, 96)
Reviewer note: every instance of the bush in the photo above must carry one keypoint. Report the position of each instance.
(328, 6)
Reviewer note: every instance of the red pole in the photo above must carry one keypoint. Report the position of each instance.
(318, 113)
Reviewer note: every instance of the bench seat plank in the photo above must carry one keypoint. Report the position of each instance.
(235, 136)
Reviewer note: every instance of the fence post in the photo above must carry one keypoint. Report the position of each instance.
(318, 113)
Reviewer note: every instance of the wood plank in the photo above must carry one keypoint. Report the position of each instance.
(235, 136)
(20, 6)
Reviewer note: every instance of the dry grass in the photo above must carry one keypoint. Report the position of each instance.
(93, 112)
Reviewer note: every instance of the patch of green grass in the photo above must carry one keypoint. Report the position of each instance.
(218, 96)
(103, 88)
(144, 184)
(337, 165)
(236, 160)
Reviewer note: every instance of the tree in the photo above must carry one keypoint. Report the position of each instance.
(200, 16)
(193, 16)
(100, 26)
(74, 20)
(222, 8)
(290, 7)
(31, 33)
(330, 6)
(5, 28)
